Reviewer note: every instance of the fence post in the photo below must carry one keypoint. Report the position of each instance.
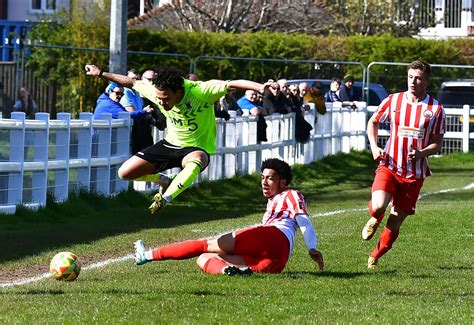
(17, 155)
(123, 151)
(84, 151)
(101, 163)
(465, 128)
(40, 145)
(61, 179)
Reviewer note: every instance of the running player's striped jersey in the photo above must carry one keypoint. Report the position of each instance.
(282, 210)
(412, 125)
(191, 122)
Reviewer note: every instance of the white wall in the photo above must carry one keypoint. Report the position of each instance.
(21, 9)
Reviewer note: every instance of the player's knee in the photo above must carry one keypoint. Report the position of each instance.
(123, 174)
(203, 259)
(377, 207)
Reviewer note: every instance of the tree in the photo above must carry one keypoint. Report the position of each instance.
(318, 17)
(233, 16)
(85, 25)
(376, 17)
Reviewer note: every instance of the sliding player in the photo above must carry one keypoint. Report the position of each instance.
(264, 248)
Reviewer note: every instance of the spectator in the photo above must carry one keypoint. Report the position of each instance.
(303, 89)
(346, 91)
(192, 77)
(109, 102)
(296, 101)
(133, 102)
(302, 127)
(249, 103)
(158, 119)
(333, 93)
(315, 95)
(25, 103)
(225, 104)
(6, 103)
(273, 102)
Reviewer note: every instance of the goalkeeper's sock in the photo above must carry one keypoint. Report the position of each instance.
(183, 180)
(180, 251)
(386, 240)
(215, 266)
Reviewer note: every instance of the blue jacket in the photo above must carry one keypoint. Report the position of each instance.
(107, 105)
(245, 103)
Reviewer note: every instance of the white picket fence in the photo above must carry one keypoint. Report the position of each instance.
(65, 155)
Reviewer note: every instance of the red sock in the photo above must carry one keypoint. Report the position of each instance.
(214, 266)
(372, 213)
(180, 251)
(387, 238)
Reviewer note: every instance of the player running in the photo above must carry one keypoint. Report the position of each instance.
(417, 126)
(191, 136)
(264, 248)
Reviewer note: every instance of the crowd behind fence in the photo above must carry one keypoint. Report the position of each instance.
(66, 155)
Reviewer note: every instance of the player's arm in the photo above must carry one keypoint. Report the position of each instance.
(431, 149)
(92, 70)
(248, 84)
(372, 135)
(310, 239)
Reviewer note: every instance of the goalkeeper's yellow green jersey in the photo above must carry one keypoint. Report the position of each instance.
(191, 122)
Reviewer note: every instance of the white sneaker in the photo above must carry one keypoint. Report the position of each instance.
(140, 250)
(370, 228)
(372, 263)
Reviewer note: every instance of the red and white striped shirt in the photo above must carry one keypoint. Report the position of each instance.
(411, 124)
(282, 210)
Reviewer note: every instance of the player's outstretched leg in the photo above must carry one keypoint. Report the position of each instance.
(178, 251)
(140, 251)
(181, 182)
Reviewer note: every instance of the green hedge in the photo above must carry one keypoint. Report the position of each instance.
(65, 68)
(264, 45)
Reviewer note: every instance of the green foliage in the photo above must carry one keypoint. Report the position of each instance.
(85, 26)
(183, 49)
(423, 279)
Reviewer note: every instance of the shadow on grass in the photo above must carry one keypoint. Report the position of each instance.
(328, 274)
(45, 292)
(87, 217)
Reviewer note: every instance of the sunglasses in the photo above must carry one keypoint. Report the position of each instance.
(118, 93)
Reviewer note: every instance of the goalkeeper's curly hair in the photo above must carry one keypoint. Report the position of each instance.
(280, 166)
(169, 78)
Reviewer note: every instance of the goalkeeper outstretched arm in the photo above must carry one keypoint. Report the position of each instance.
(310, 239)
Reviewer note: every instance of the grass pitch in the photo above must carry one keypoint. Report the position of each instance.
(425, 278)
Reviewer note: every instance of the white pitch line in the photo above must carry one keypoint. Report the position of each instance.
(131, 256)
(48, 275)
